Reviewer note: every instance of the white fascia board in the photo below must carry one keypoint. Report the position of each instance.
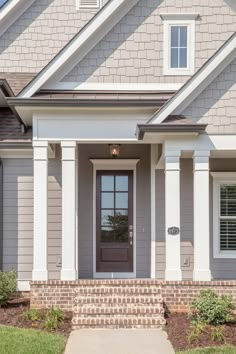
(198, 82)
(11, 12)
(94, 86)
(81, 44)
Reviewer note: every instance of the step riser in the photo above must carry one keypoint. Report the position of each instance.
(118, 300)
(117, 291)
(119, 311)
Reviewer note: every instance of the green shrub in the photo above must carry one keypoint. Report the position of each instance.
(32, 315)
(196, 330)
(209, 308)
(8, 286)
(54, 316)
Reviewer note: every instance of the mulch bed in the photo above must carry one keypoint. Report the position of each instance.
(178, 329)
(11, 315)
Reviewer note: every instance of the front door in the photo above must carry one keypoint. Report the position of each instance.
(114, 221)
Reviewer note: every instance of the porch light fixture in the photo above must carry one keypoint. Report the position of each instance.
(114, 151)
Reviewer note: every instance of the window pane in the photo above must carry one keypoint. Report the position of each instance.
(183, 58)
(174, 58)
(3, 2)
(121, 200)
(174, 36)
(228, 235)
(107, 200)
(107, 217)
(121, 183)
(183, 36)
(121, 218)
(107, 183)
(107, 234)
(121, 234)
(228, 200)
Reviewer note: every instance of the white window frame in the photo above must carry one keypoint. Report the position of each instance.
(220, 178)
(171, 20)
(81, 7)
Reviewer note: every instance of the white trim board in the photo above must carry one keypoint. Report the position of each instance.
(81, 44)
(114, 164)
(11, 12)
(203, 77)
(97, 86)
(23, 285)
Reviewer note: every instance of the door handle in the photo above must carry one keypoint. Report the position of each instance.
(131, 235)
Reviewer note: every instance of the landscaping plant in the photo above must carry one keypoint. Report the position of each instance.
(32, 315)
(212, 309)
(8, 286)
(54, 316)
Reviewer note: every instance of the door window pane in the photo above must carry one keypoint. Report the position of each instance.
(107, 234)
(121, 201)
(107, 183)
(107, 217)
(107, 200)
(121, 183)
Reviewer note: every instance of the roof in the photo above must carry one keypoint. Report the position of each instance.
(81, 44)
(198, 82)
(17, 81)
(10, 128)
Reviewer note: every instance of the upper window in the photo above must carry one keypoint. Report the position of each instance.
(179, 44)
(224, 207)
(88, 4)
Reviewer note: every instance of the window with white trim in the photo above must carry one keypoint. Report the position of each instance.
(3, 2)
(88, 4)
(224, 215)
(179, 44)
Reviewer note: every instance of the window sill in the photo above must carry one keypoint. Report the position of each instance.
(225, 255)
(171, 72)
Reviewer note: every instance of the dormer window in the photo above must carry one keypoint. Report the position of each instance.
(88, 4)
(179, 44)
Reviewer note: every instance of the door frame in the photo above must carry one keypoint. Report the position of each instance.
(114, 165)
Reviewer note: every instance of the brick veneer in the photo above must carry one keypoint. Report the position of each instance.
(177, 295)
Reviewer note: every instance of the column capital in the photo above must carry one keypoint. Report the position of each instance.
(40, 149)
(69, 150)
(172, 160)
(201, 160)
(172, 153)
(201, 153)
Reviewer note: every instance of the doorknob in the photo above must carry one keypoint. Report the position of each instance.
(131, 235)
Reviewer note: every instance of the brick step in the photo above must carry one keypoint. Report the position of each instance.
(129, 290)
(118, 310)
(117, 322)
(118, 300)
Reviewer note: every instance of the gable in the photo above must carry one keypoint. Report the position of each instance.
(38, 34)
(132, 52)
(216, 106)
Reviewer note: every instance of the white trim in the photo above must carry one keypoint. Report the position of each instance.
(105, 86)
(23, 285)
(87, 6)
(179, 21)
(16, 153)
(81, 44)
(177, 16)
(153, 165)
(198, 82)
(112, 164)
(40, 234)
(218, 179)
(11, 11)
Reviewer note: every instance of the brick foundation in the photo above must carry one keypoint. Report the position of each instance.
(176, 295)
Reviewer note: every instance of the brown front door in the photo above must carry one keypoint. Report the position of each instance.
(114, 241)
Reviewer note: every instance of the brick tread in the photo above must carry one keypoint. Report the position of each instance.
(119, 310)
(121, 322)
(118, 290)
(118, 300)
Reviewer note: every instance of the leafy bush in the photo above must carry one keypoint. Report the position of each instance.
(32, 315)
(54, 316)
(209, 308)
(8, 286)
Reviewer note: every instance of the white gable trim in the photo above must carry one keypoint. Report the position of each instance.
(81, 44)
(11, 12)
(204, 76)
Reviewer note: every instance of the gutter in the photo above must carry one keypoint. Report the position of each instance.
(142, 129)
(34, 102)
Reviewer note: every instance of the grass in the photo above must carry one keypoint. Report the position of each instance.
(29, 341)
(215, 350)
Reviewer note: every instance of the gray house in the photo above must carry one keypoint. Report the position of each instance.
(118, 145)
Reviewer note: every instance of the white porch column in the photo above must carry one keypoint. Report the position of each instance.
(40, 210)
(69, 211)
(172, 215)
(154, 159)
(201, 216)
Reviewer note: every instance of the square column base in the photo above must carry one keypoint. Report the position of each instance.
(201, 275)
(69, 274)
(39, 275)
(173, 274)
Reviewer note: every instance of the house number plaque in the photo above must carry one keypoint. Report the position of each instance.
(173, 230)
